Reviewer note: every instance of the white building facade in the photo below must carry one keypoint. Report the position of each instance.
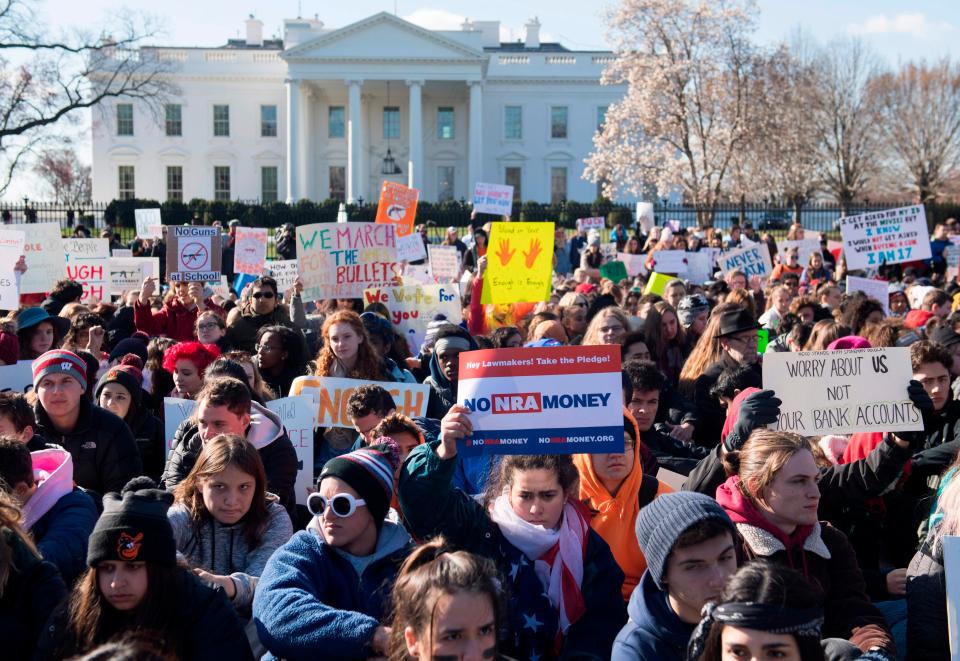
(314, 116)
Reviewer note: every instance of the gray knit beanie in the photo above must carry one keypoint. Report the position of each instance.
(662, 521)
(690, 306)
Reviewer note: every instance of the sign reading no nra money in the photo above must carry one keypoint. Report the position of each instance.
(553, 400)
(842, 392)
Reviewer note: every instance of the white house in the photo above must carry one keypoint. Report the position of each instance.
(316, 114)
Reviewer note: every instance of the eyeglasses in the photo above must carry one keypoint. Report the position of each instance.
(342, 504)
(263, 294)
(208, 326)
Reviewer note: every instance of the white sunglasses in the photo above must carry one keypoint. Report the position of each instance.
(342, 504)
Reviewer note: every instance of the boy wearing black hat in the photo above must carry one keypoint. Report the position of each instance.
(324, 595)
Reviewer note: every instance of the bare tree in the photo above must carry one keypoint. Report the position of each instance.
(45, 78)
(69, 180)
(920, 110)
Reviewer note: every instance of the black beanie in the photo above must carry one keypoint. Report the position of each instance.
(369, 471)
(126, 377)
(134, 526)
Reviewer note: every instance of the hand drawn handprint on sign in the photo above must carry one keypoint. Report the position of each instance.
(532, 252)
(505, 253)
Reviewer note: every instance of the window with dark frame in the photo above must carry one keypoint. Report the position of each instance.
(175, 183)
(173, 119)
(124, 119)
(268, 121)
(269, 184)
(126, 188)
(221, 121)
(221, 183)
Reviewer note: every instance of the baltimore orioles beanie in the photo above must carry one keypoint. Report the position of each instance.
(134, 526)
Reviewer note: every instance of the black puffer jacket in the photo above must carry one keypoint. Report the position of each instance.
(105, 455)
(148, 432)
(927, 602)
(266, 433)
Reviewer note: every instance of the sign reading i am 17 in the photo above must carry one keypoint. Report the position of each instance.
(885, 237)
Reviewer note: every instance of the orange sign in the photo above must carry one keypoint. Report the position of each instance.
(398, 206)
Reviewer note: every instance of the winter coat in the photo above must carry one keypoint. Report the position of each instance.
(243, 326)
(223, 550)
(33, 590)
(443, 393)
(148, 433)
(712, 413)
(206, 625)
(266, 433)
(431, 506)
(927, 629)
(173, 320)
(673, 454)
(653, 632)
(312, 602)
(105, 455)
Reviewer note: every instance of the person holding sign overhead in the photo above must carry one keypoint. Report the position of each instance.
(183, 302)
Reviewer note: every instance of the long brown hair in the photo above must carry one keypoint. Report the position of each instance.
(705, 352)
(10, 520)
(653, 330)
(368, 365)
(217, 455)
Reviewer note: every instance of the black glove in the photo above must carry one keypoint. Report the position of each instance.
(757, 410)
(924, 404)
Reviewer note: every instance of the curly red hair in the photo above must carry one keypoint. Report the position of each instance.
(201, 355)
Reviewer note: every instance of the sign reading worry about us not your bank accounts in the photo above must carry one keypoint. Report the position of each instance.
(842, 392)
(551, 400)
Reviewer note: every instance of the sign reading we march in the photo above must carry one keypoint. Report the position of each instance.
(842, 392)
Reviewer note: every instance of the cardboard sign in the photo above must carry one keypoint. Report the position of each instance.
(875, 289)
(149, 223)
(250, 250)
(645, 218)
(842, 392)
(552, 400)
(410, 248)
(88, 262)
(284, 271)
(11, 248)
(398, 206)
(444, 263)
(885, 237)
(699, 267)
(493, 198)
(670, 261)
(46, 262)
(412, 308)
(331, 394)
(594, 223)
(753, 261)
(193, 254)
(299, 417)
(805, 248)
(340, 260)
(615, 271)
(128, 273)
(175, 411)
(17, 377)
(519, 263)
(951, 566)
(635, 264)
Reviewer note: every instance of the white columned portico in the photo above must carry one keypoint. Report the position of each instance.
(293, 139)
(354, 138)
(475, 146)
(415, 162)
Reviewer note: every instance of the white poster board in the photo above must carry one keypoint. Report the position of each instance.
(806, 247)
(493, 198)
(11, 248)
(608, 250)
(299, 417)
(636, 264)
(88, 262)
(175, 411)
(753, 261)
(444, 263)
(645, 215)
(17, 377)
(700, 267)
(284, 271)
(250, 250)
(410, 248)
(842, 392)
(149, 223)
(670, 261)
(876, 289)
(592, 223)
(330, 394)
(885, 237)
(46, 262)
(417, 274)
(128, 273)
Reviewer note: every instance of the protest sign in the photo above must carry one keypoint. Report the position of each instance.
(121, 252)
(875, 289)
(175, 411)
(645, 215)
(615, 271)
(551, 400)
(398, 206)
(635, 264)
(608, 250)
(11, 248)
(330, 394)
(674, 225)
(417, 274)
(410, 248)
(17, 377)
(493, 198)
(284, 271)
(299, 417)
(149, 223)
(753, 261)
(193, 254)
(670, 261)
(88, 263)
(128, 273)
(657, 282)
(951, 566)
(699, 267)
(444, 263)
(340, 260)
(805, 248)
(519, 263)
(842, 392)
(250, 250)
(594, 223)
(885, 237)
(951, 254)
(46, 261)
(413, 307)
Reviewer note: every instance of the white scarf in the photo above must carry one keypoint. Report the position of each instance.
(532, 540)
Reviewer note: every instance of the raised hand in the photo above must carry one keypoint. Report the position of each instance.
(505, 253)
(147, 289)
(532, 252)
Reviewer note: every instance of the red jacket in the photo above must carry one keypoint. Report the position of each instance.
(173, 320)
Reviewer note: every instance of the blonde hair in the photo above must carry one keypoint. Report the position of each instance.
(591, 337)
(761, 458)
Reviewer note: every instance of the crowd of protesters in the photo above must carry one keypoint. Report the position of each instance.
(119, 542)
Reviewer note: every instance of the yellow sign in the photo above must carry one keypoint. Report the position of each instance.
(519, 263)
(657, 283)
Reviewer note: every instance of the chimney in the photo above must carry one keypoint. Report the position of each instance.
(533, 33)
(254, 31)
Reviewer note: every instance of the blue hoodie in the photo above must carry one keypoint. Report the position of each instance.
(654, 632)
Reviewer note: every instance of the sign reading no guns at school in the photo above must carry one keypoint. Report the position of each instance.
(553, 400)
(842, 392)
